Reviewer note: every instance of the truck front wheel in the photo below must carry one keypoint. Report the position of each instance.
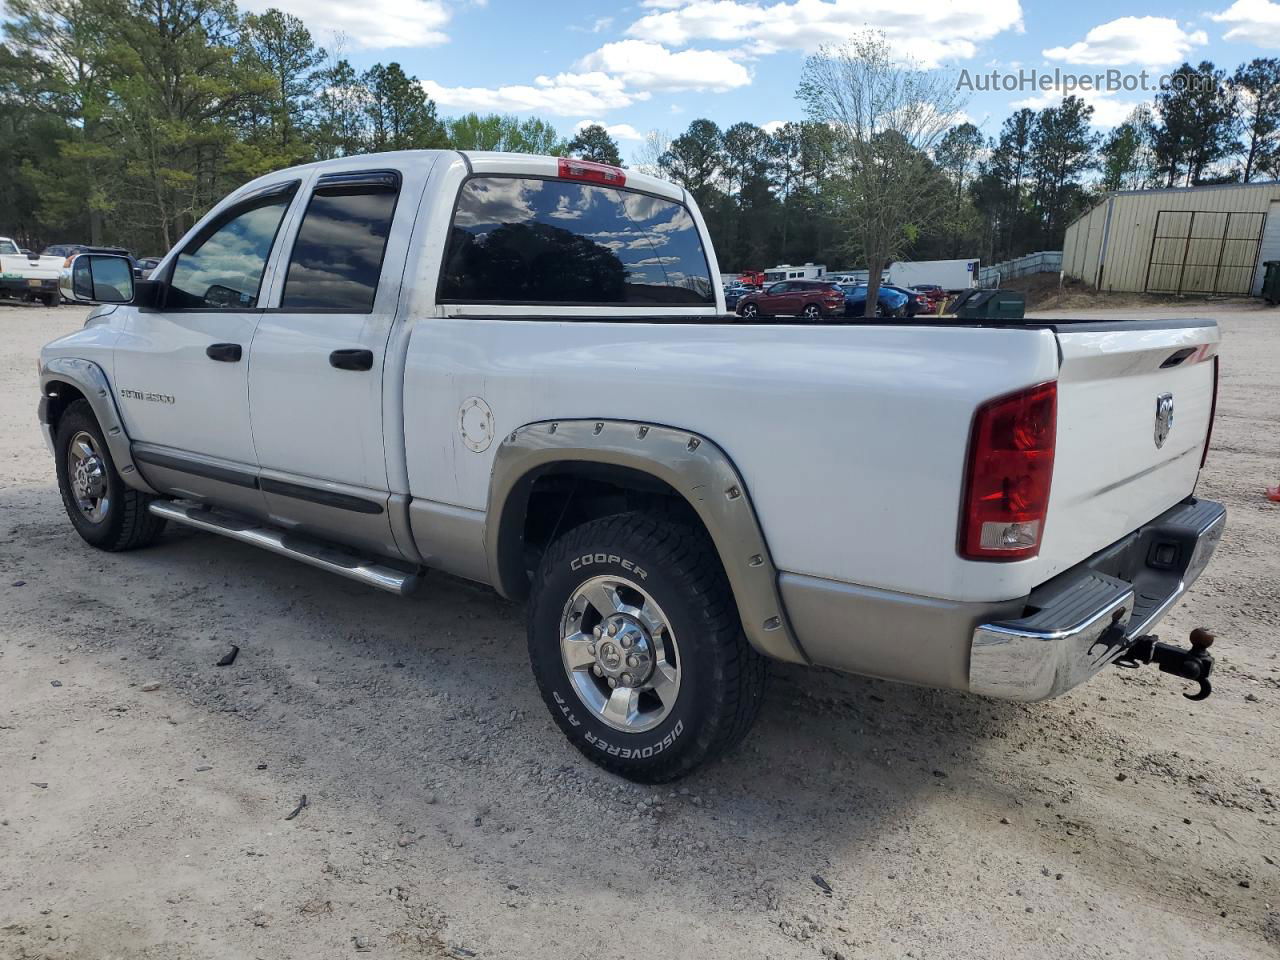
(637, 648)
(106, 512)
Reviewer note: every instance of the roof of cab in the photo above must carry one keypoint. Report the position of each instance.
(480, 161)
(484, 161)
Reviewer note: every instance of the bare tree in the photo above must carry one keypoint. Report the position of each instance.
(650, 152)
(887, 116)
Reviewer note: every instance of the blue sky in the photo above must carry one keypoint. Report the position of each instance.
(657, 64)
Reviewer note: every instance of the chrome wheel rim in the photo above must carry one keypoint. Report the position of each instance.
(620, 654)
(87, 474)
(750, 310)
(812, 312)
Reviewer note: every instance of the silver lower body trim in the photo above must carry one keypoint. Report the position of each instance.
(882, 633)
(450, 538)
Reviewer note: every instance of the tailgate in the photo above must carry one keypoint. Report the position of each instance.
(1113, 471)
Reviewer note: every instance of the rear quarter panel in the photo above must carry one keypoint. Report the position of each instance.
(852, 440)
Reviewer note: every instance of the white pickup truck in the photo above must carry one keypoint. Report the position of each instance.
(28, 277)
(519, 370)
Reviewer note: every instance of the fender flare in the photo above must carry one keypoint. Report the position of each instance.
(90, 379)
(695, 467)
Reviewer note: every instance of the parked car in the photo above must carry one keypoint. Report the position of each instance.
(367, 365)
(69, 250)
(26, 276)
(934, 296)
(811, 299)
(736, 292)
(916, 303)
(889, 302)
(144, 266)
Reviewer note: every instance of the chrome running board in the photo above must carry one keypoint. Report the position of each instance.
(354, 566)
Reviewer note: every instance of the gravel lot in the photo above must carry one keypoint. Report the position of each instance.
(446, 816)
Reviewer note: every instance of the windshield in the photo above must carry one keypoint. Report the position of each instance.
(7, 246)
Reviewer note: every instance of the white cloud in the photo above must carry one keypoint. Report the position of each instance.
(371, 25)
(1107, 110)
(773, 126)
(619, 131)
(1149, 41)
(1252, 21)
(651, 66)
(926, 30)
(616, 75)
(564, 94)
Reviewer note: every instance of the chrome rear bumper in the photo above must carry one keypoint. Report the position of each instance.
(1131, 585)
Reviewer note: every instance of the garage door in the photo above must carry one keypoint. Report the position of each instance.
(1204, 251)
(1270, 245)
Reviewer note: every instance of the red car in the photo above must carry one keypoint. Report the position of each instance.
(932, 294)
(810, 299)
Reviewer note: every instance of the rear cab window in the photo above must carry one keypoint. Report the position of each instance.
(543, 241)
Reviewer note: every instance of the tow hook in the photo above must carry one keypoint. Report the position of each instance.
(1195, 664)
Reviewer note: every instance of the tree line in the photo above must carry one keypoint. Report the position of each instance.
(777, 197)
(123, 121)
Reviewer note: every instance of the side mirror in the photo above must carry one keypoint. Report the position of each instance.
(98, 278)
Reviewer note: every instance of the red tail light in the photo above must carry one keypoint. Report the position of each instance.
(591, 172)
(1010, 466)
(1213, 413)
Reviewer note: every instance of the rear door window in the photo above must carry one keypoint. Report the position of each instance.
(534, 241)
(337, 257)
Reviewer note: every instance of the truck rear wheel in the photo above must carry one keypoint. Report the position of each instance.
(636, 645)
(107, 513)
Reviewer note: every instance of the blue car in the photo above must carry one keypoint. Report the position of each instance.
(733, 294)
(890, 302)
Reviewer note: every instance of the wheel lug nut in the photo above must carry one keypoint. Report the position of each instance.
(591, 648)
(631, 661)
(626, 679)
(597, 671)
(612, 682)
(613, 629)
(626, 641)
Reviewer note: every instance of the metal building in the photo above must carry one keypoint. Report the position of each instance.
(1194, 240)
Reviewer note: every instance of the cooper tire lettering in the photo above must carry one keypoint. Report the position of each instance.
(587, 559)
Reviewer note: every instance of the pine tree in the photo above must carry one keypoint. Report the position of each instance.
(593, 142)
(1256, 85)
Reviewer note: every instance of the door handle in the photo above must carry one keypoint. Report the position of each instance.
(226, 352)
(351, 359)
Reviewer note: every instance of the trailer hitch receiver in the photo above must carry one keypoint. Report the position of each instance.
(1195, 664)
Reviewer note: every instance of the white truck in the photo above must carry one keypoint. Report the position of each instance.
(518, 370)
(28, 277)
(950, 275)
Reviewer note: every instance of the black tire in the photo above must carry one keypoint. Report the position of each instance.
(750, 311)
(721, 678)
(52, 300)
(126, 524)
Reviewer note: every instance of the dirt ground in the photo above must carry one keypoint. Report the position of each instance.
(446, 816)
(1047, 294)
